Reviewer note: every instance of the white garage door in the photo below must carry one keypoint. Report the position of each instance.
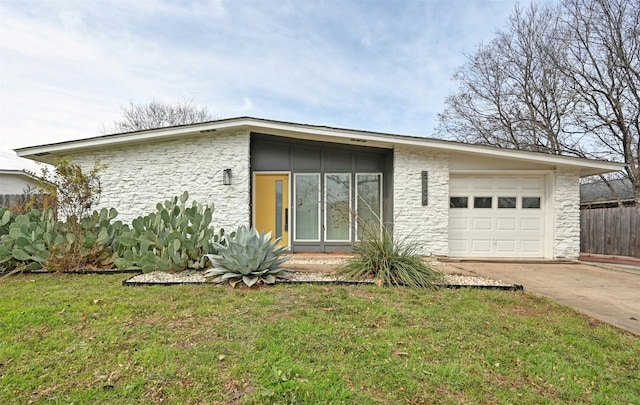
(496, 216)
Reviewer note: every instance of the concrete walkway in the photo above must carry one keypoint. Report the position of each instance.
(607, 292)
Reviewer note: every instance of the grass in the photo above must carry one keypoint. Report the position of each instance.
(86, 339)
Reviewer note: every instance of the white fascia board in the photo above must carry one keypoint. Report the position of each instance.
(320, 133)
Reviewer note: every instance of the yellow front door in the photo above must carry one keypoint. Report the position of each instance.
(271, 202)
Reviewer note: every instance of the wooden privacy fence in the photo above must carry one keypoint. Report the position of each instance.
(610, 231)
(13, 200)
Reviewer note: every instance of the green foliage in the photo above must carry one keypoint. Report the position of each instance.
(36, 240)
(174, 238)
(74, 190)
(6, 218)
(247, 256)
(84, 244)
(26, 242)
(390, 261)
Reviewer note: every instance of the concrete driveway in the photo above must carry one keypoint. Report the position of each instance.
(610, 293)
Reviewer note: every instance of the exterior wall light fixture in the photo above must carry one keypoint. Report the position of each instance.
(226, 177)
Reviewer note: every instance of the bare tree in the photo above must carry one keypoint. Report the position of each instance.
(603, 68)
(158, 114)
(509, 95)
(562, 80)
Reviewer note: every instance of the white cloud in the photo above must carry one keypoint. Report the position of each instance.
(66, 66)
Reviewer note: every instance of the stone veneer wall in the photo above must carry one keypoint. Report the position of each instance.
(426, 225)
(566, 227)
(141, 175)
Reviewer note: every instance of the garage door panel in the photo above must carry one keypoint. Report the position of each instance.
(481, 183)
(532, 183)
(531, 224)
(506, 246)
(506, 183)
(508, 231)
(506, 224)
(481, 224)
(481, 245)
(458, 245)
(459, 223)
(530, 246)
(459, 183)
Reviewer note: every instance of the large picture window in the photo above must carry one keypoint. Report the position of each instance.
(307, 207)
(338, 207)
(368, 205)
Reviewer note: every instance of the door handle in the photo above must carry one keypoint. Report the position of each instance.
(286, 219)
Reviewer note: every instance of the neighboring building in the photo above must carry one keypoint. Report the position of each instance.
(317, 187)
(599, 194)
(13, 187)
(16, 181)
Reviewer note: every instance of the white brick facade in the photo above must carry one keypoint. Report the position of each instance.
(141, 175)
(566, 227)
(425, 225)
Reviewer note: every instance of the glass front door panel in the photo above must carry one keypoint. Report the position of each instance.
(279, 209)
(369, 203)
(307, 204)
(338, 207)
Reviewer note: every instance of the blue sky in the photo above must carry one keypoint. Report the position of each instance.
(66, 67)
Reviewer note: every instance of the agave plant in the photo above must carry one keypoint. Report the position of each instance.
(247, 256)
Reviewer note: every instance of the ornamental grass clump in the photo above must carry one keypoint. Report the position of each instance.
(247, 256)
(390, 261)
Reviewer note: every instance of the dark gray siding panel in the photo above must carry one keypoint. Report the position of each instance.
(369, 162)
(306, 159)
(270, 156)
(337, 161)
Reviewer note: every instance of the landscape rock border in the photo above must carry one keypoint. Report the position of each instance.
(196, 278)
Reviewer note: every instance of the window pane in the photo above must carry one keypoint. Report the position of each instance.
(506, 202)
(530, 202)
(458, 202)
(482, 202)
(338, 214)
(307, 206)
(278, 208)
(368, 205)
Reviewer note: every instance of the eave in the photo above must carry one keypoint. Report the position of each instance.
(46, 153)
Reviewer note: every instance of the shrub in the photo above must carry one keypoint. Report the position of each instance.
(174, 238)
(84, 244)
(26, 243)
(247, 256)
(73, 190)
(389, 261)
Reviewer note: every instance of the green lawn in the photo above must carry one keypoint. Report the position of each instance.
(87, 339)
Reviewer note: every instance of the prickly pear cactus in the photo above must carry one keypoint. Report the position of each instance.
(174, 238)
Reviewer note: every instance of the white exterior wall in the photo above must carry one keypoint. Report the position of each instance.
(566, 227)
(12, 183)
(426, 225)
(140, 176)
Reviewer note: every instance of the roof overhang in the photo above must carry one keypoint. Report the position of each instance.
(47, 153)
(19, 173)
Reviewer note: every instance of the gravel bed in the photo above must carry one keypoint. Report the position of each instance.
(197, 277)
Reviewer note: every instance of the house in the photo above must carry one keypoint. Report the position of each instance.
(320, 188)
(15, 186)
(598, 194)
